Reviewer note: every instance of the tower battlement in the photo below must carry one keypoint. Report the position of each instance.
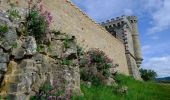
(125, 29)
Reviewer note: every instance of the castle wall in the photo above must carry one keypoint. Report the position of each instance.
(67, 18)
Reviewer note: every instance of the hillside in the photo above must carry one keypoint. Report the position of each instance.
(164, 78)
(137, 90)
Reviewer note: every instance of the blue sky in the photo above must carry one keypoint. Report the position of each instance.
(153, 21)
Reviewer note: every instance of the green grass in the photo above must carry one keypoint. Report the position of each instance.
(137, 90)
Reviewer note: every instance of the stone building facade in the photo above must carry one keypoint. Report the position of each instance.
(125, 29)
(67, 18)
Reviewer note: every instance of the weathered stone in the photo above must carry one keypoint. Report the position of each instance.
(3, 67)
(112, 70)
(56, 49)
(38, 58)
(17, 97)
(27, 63)
(109, 81)
(30, 46)
(18, 53)
(4, 58)
(1, 51)
(89, 84)
(70, 53)
(6, 46)
(122, 89)
(13, 88)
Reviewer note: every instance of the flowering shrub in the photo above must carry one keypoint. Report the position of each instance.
(38, 20)
(95, 66)
(48, 92)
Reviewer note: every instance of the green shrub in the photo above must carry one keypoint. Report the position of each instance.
(148, 75)
(13, 13)
(66, 62)
(14, 45)
(3, 29)
(36, 24)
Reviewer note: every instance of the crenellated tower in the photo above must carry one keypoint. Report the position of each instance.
(125, 29)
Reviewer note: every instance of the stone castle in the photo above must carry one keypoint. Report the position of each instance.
(125, 29)
(118, 38)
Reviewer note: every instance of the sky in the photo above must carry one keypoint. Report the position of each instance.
(153, 24)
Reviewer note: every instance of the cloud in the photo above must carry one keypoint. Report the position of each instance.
(161, 16)
(159, 64)
(101, 10)
(155, 16)
(146, 48)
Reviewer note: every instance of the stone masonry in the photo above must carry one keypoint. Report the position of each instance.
(125, 29)
(70, 19)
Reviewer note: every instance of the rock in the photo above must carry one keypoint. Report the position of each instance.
(17, 97)
(27, 63)
(56, 49)
(6, 46)
(122, 89)
(112, 70)
(3, 67)
(4, 58)
(110, 81)
(70, 53)
(89, 84)
(18, 53)
(30, 46)
(1, 51)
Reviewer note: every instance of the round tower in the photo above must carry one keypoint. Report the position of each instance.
(136, 41)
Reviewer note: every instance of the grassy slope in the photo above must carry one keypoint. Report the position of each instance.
(137, 90)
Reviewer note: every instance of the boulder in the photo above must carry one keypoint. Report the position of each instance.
(30, 46)
(4, 58)
(3, 67)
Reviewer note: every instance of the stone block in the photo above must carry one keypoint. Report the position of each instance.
(3, 67)
(4, 58)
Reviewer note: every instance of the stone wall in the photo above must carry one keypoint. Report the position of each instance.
(25, 65)
(69, 19)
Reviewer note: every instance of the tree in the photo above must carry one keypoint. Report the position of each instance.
(148, 75)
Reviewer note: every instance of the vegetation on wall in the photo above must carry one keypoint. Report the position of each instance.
(38, 21)
(95, 66)
(3, 29)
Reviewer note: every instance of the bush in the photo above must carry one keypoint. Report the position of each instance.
(48, 92)
(148, 75)
(3, 29)
(95, 66)
(36, 24)
(13, 13)
(38, 21)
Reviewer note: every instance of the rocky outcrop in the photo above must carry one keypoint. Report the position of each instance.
(25, 65)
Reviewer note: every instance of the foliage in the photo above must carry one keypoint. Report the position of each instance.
(56, 32)
(148, 75)
(14, 45)
(66, 43)
(36, 24)
(3, 29)
(65, 61)
(48, 92)
(38, 21)
(92, 61)
(137, 90)
(79, 50)
(13, 13)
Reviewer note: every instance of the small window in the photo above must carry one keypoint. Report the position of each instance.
(118, 24)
